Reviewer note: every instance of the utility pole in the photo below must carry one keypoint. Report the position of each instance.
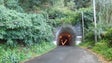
(82, 26)
(95, 31)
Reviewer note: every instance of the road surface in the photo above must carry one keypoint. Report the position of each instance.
(66, 55)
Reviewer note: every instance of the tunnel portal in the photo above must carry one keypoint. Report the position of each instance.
(65, 39)
(66, 36)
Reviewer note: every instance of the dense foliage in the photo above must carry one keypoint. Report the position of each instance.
(104, 32)
(28, 25)
(23, 27)
(82, 3)
(20, 53)
(29, 22)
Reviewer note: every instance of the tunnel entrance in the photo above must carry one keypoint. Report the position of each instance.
(64, 39)
(66, 36)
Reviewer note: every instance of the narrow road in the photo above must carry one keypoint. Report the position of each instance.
(66, 55)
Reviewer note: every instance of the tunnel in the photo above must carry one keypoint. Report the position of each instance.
(66, 36)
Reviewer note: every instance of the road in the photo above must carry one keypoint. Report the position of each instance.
(66, 55)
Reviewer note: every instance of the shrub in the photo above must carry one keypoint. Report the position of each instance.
(18, 54)
(14, 5)
(10, 58)
(102, 48)
(87, 44)
(64, 15)
(23, 27)
(108, 36)
(89, 36)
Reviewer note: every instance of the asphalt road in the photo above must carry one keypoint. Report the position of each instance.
(66, 55)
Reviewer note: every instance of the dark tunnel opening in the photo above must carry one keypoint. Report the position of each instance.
(65, 39)
(66, 36)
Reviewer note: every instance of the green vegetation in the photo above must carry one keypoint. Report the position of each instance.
(26, 25)
(103, 49)
(21, 53)
(23, 27)
(103, 46)
(104, 30)
(18, 24)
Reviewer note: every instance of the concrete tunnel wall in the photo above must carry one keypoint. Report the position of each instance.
(65, 33)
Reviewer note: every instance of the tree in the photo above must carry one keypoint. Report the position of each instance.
(82, 3)
(95, 31)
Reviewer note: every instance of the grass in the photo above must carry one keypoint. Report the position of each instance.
(20, 53)
(101, 48)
